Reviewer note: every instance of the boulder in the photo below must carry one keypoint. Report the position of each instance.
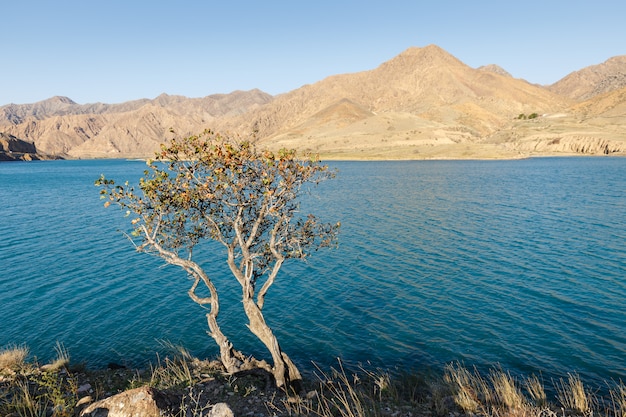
(138, 402)
(145, 402)
(221, 410)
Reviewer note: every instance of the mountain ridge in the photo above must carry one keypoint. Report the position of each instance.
(593, 80)
(423, 103)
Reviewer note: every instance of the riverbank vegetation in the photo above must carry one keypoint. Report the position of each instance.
(194, 386)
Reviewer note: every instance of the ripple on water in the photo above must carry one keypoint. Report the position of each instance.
(520, 263)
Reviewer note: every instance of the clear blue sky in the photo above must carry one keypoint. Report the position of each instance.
(117, 50)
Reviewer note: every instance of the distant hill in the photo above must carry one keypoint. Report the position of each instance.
(593, 80)
(59, 106)
(62, 127)
(608, 105)
(422, 104)
(426, 82)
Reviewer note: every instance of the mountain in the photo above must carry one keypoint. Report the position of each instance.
(422, 104)
(427, 82)
(14, 149)
(59, 106)
(593, 80)
(495, 69)
(608, 105)
(62, 127)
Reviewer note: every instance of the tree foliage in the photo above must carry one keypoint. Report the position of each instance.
(209, 186)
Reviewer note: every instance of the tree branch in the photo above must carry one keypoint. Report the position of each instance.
(192, 293)
(272, 275)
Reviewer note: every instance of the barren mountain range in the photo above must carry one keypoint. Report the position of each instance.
(422, 104)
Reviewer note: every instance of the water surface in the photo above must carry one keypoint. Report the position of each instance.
(518, 263)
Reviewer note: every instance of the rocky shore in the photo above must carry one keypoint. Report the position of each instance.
(182, 385)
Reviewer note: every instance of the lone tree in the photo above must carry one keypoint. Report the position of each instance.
(209, 186)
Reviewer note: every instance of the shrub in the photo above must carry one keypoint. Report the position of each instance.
(12, 358)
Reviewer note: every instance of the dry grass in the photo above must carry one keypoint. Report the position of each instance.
(171, 373)
(381, 381)
(33, 391)
(25, 403)
(501, 395)
(178, 351)
(466, 387)
(13, 357)
(536, 391)
(339, 396)
(38, 392)
(573, 396)
(360, 393)
(618, 400)
(61, 361)
(507, 394)
(175, 371)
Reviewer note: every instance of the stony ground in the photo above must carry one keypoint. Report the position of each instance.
(186, 386)
(252, 395)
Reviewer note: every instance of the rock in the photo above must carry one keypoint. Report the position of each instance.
(221, 410)
(84, 401)
(138, 402)
(83, 388)
(9, 143)
(14, 149)
(577, 144)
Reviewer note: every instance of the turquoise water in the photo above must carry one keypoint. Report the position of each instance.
(517, 263)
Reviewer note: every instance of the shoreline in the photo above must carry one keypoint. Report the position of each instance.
(337, 158)
(187, 382)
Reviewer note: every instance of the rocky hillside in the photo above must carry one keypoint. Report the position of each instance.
(495, 68)
(14, 149)
(593, 80)
(425, 82)
(424, 103)
(62, 127)
(595, 126)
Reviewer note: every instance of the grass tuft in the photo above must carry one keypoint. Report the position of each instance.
(13, 358)
(536, 391)
(173, 372)
(25, 403)
(618, 400)
(32, 391)
(466, 388)
(572, 394)
(362, 393)
(339, 396)
(506, 392)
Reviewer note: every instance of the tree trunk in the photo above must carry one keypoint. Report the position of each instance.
(231, 359)
(284, 370)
